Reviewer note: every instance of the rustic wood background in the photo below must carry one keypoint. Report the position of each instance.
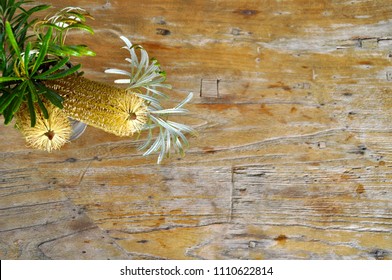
(293, 104)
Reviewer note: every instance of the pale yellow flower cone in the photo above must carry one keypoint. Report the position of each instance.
(48, 134)
(111, 109)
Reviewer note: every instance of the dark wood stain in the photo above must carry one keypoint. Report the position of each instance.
(360, 189)
(280, 85)
(281, 239)
(209, 150)
(163, 31)
(265, 110)
(246, 12)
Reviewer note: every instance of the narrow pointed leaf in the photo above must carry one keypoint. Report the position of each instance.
(126, 41)
(117, 71)
(27, 57)
(64, 73)
(43, 109)
(42, 51)
(122, 81)
(19, 100)
(11, 38)
(60, 64)
(5, 101)
(81, 26)
(31, 109)
(52, 96)
(9, 79)
(185, 101)
(171, 111)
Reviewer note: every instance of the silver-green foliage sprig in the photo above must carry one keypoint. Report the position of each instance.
(147, 79)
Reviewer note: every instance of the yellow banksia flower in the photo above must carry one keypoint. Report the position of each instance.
(47, 134)
(109, 108)
(132, 114)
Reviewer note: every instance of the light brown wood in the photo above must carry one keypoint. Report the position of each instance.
(293, 105)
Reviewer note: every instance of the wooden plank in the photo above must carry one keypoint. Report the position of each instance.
(293, 159)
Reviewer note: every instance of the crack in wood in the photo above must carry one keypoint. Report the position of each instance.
(32, 205)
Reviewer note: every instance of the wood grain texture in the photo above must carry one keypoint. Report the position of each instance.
(293, 105)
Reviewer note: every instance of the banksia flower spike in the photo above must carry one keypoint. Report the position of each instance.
(134, 113)
(43, 90)
(47, 134)
(111, 109)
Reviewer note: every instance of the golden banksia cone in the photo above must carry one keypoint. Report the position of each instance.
(47, 134)
(111, 109)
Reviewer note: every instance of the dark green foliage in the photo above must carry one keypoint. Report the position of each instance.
(25, 61)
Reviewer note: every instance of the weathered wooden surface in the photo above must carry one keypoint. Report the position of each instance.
(293, 106)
